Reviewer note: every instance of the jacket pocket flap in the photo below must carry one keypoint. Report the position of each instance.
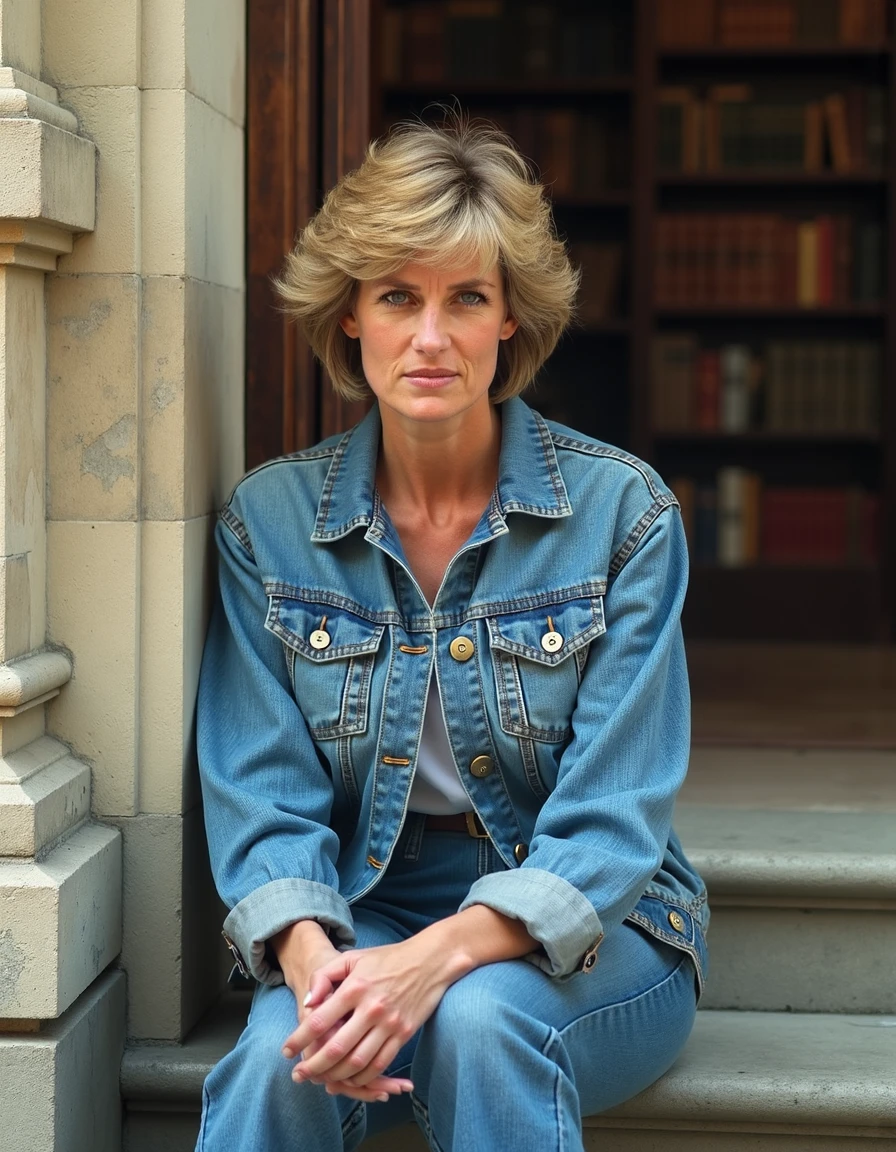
(549, 635)
(320, 632)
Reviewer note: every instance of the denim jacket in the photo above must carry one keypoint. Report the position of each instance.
(556, 640)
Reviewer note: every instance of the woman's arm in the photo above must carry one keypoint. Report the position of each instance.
(266, 796)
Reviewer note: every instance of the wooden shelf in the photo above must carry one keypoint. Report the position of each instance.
(780, 52)
(517, 88)
(770, 312)
(758, 436)
(771, 177)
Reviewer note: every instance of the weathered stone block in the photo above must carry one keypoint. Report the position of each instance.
(44, 792)
(59, 1088)
(111, 118)
(61, 923)
(20, 35)
(216, 54)
(93, 612)
(93, 397)
(48, 174)
(172, 921)
(92, 41)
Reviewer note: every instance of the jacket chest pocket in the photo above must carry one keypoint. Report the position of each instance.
(538, 658)
(330, 655)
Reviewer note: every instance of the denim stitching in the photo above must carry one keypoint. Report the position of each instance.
(530, 767)
(237, 527)
(610, 453)
(634, 537)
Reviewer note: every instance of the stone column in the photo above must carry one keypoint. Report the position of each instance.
(145, 440)
(61, 1019)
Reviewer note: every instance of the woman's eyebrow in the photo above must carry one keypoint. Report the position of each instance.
(405, 284)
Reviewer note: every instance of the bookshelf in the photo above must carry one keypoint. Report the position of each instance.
(776, 134)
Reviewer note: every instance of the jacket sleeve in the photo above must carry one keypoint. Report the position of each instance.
(601, 834)
(267, 798)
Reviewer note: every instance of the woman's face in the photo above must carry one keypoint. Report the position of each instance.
(429, 338)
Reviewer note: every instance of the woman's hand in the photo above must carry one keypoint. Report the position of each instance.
(302, 950)
(382, 996)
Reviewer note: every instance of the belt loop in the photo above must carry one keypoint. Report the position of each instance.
(413, 831)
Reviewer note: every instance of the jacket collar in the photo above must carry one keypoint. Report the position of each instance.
(529, 478)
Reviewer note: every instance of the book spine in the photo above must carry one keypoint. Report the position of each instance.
(730, 496)
(707, 404)
(735, 369)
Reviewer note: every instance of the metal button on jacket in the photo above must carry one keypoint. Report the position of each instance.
(482, 766)
(319, 638)
(552, 641)
(676, 921)
(520, 852)
(461, 648)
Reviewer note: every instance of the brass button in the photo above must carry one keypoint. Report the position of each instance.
(591, 955)
(482, 766)
(677, 921)
(552, 641)
(319, 638)
(461, 648)
(520, 853)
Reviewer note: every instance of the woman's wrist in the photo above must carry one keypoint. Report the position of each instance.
(296, 946)
(478, 935)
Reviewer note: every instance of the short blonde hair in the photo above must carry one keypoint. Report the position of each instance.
(445, 196)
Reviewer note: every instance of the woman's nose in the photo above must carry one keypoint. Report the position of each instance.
(431, 334)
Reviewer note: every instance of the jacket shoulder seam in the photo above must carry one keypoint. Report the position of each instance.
(631, 542)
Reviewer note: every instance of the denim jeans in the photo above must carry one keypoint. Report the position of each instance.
(512, 1058)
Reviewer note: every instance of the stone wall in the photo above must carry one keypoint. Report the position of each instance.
(121, 369)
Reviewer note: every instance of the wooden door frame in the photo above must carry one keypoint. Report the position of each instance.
(308, 120)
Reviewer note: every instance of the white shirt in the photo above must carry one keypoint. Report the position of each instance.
(436, 789)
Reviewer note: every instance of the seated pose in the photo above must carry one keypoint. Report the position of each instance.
(444, 708)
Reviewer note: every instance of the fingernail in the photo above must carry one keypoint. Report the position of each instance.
(383, 1097)
(287, 1052)
(307, 1000)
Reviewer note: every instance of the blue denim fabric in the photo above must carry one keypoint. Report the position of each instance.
(511, 1058)
(307, 753)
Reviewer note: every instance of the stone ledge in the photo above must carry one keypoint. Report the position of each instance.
(31, 680)
(789, 856)
(61, 922)
(49, 175)
(39, 810)
(58, 1087)
(746, 1068)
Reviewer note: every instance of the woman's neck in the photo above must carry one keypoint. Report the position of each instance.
(435, 472)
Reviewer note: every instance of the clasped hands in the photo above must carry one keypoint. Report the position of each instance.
(361, 1007)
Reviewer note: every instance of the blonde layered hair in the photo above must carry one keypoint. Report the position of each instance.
(443, 196)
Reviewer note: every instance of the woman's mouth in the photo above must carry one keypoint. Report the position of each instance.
(430, 377)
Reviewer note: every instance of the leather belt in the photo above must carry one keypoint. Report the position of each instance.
(467, 822)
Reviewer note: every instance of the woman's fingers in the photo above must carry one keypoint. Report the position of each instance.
(367, 1060)
(340, 1047)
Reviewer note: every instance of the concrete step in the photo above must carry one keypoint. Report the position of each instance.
(763, 1082)
(798, 850)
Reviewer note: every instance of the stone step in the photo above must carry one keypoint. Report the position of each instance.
(798, 850)
(781, 1082)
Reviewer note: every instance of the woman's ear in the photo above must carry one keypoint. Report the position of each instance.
(508, 328)
(349, 325)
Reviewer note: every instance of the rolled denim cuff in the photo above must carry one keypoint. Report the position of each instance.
(274, 906)
(555, 914)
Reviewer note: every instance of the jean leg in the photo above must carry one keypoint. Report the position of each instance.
(513, 1058)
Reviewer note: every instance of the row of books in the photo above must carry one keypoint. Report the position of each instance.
(495, 41)
(771, 23)
(767, 260)
(600, 291)
(577, 154)
(811, 387)
(736, 521)
(733, 129)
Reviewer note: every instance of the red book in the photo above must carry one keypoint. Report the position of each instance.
(787, 261)
(709, 387)
(804, 526)
(825, 229)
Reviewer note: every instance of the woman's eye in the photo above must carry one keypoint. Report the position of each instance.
(396, 297)
(471, 298)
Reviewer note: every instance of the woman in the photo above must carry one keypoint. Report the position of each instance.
(444, 710)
